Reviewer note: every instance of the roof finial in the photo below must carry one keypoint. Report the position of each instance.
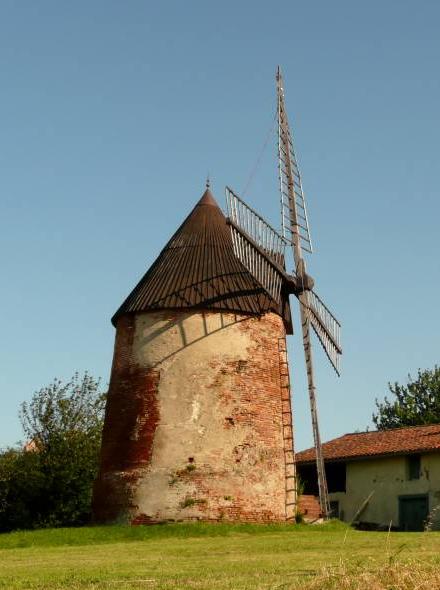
(208, 182)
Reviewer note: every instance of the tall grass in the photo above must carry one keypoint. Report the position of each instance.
(370, 576)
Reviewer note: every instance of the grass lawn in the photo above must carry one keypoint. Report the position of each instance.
(204, 556)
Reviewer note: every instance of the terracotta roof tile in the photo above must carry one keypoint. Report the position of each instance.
(398, 441)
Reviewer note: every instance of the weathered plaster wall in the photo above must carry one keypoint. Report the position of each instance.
(194, 422)
(388, 478)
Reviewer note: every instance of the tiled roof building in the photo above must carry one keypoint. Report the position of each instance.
(415, 439)
(379, 478)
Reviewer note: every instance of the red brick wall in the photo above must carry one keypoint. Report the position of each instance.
(130, 422)
(309, 507)
(228, 459)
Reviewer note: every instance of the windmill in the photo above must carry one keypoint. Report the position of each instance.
(262, 250)
(198, 420)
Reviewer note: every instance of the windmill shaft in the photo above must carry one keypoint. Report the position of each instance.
(322, 480)
(292, 182)
(293, 213)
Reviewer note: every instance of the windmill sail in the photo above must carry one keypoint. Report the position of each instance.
(294, 218)
(256, 244)
(327, 328)
(261, 250)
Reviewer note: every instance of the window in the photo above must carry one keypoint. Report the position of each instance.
(413, 466)
(336, 477)
(335, 473)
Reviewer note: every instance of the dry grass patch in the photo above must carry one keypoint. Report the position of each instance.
(398, 576)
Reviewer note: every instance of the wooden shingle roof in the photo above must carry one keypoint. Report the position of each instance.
(198, 269)
(398, 441)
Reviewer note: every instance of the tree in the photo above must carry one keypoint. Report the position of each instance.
(21, 489)
(416, 403)
(49, 483)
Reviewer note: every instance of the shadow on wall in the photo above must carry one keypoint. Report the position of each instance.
(189, 328)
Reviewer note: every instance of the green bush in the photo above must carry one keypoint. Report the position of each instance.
(50, 483)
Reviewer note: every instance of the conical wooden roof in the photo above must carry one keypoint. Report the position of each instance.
(198, 269)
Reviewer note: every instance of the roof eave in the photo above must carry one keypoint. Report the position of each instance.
(350, 458)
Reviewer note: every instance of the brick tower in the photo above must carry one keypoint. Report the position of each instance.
(198, 422)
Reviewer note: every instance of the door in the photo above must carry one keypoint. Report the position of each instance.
(413, 512)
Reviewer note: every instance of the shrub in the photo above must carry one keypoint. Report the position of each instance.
(49, 483)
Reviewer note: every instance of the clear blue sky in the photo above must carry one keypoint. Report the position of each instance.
(111, 115)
